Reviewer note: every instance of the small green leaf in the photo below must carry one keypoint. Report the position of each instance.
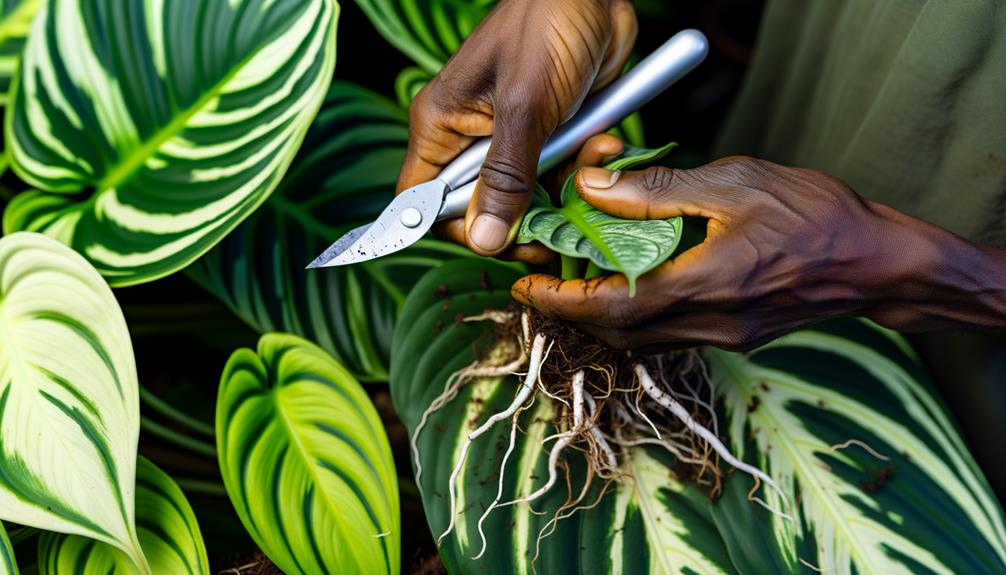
(69, 407)
(577, 229)
(305, 461)
(166, 526)
(149, 130)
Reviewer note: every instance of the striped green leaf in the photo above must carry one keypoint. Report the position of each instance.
(8, 565)
(165, 523)
(922, 506)
(69, 408)
(151, 129)
(655, 524)
(428, 31)
(305, 461)
(15, 22)
(931, 512)
(344, 176)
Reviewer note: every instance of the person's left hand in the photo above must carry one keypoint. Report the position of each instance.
(785, 247)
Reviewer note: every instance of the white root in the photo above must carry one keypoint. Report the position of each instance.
(495, 316)
(451, 388)
(564, 439)
(866, 447)
(523, 393)
(499, 489)
(602, 443)
(679, 411)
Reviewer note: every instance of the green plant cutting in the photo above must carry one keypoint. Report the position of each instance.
(214, 141)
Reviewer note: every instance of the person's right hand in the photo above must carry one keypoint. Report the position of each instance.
(524, 70)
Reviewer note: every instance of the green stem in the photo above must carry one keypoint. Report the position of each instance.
(171, 436)
(164, 408)
(201, 486)
(570, 267)
(593, 270)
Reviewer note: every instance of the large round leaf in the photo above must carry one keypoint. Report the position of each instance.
(908, 499)
(655, 524)
(306, 462)
(931, 511)
(343, 176)
(69, 408)
(165, 523)
(15, 21)
(151, 129)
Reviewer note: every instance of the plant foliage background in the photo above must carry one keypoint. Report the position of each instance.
(220, 403)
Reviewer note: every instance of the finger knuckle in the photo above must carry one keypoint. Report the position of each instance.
(506, 177)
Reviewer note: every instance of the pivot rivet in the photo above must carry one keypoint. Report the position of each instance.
(411, 217)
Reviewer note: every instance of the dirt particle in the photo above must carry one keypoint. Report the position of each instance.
(485, 281)
(764, 386)
(446, 306)
(442, 292)
(438, 327)
(878, 479)
(754, 403)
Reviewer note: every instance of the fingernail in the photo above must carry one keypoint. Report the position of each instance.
(488, 233)
(598, 178)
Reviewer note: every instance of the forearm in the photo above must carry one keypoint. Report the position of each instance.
(941, 280)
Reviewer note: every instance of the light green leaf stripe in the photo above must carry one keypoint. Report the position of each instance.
(925, 508)
(151, 129)
(8, 565)
(167, 529)
(653, 524)
(69, 409)
(428, 31)
(15, 22)
(343, 176)
(305, 461)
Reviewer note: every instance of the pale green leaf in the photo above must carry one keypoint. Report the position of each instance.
(144, 157)
(921, 506)
(577, 229)
(305, 461)
(653, 524)
(166, 526)
(343, 177)
(69, 409)
(15, 22)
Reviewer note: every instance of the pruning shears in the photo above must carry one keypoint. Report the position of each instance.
(413, 212)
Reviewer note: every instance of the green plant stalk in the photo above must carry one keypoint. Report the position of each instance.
(181, 440)
(149, 399)
(593, 270)
(570, 267)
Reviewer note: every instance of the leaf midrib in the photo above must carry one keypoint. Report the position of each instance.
(138, 156)
(306, 459)
(741, 385)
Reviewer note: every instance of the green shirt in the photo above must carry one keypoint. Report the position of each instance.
(905, 100)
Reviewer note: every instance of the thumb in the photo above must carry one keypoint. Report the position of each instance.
(506, 181)
(659, 193)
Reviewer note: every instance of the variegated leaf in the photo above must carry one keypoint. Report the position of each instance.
(305, 461)
(8, 565)
(343, 176)
(165, 524)
(151, 129)
(15, 21)
(653, 524)
(428, 31)
(69, 409)
(904, 496)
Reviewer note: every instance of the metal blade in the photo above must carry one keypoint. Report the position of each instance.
(388, 234)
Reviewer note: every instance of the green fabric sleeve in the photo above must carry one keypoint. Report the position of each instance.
(903, 99)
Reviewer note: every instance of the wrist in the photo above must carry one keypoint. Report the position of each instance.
(932, 278)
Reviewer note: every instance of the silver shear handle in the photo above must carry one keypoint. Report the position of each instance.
(658, 71)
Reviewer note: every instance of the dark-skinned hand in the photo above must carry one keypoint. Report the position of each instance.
(785, 247)
(526, 68)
